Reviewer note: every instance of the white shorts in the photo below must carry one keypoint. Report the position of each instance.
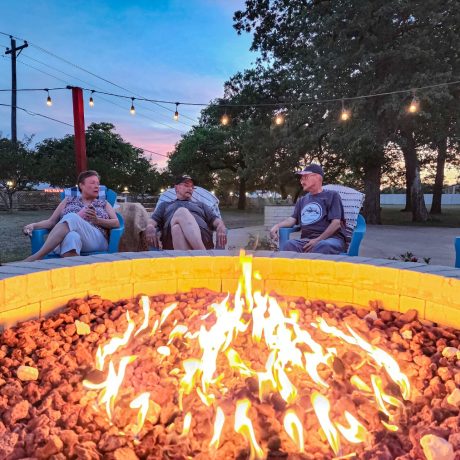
(82, 237)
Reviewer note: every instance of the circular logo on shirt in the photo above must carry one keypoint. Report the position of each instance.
(311, 213)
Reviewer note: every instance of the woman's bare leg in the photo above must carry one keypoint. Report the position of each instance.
(57, 234)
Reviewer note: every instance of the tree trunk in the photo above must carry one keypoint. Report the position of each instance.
(419, 211)
(372, 177)
(283, 191)
(439, 180)
(242, 192)
(410, 163)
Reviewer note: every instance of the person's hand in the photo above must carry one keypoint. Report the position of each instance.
(310, 244)
(28, 229)
(91, 215)
(275, 232)
(151, 236)
(221, 236)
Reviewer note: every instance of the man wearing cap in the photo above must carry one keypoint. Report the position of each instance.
(185, 224)
(320, 215)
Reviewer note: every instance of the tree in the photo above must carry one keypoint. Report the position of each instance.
(352, 48)
(18, 169)
(119, 163)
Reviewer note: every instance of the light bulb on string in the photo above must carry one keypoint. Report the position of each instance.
(414, 106)
(176, 113)
(132, 110)
(225, 119)
(279, 119)
(49, 102)
(91, 100)
(344, 114)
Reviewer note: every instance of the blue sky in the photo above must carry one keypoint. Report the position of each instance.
(162, 49)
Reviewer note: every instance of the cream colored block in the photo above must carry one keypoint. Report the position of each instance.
(362, 298)
(114, 293)
(121, 270)
(153, 287)
(318, 291)
(51, 305)
(2, 295)
(229, 285)
(83, 276)
(450, 293)
(38, 286)
(412, 303)
(317, 271)
(410, 283)
(24, 313)
(442, 314)
(386, 279)
(153, 269)
(284, 287)
(15, 288)
(184, 285)
(344, 273)
(225, 266)
(61, 281)
(339, 293)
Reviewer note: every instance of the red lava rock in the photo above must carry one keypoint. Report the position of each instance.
(53, 446)
(125, 453)
(409, 316)
(8, 441)
(18, 412)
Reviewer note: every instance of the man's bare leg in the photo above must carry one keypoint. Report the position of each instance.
(178, 238)
(189, 229)
(56, 236)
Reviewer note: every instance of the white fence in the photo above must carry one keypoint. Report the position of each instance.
(400, 199)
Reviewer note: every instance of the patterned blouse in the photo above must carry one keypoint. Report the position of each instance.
(75, 204)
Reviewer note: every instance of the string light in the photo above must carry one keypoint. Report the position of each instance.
(225, 119)
(91, 100)
(49, 102)
(344, 114)
(279, 119)
(414, 105)
(176, 113)
(132, 110)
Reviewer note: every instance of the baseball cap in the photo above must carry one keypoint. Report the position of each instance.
(183, 178)
(312, 169)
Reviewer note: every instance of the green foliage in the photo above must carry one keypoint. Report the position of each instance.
(409, 257)
(119, 163)
(18, 169)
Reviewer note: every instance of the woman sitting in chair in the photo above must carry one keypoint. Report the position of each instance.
(79, 223)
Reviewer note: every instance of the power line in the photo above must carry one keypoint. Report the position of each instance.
(95, 75)
(30, 112)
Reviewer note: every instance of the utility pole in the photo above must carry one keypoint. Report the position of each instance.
(79, 128)
(13, 51)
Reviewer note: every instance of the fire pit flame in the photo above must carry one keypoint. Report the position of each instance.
(214, 363)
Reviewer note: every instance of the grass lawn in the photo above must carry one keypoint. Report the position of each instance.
(450, 217)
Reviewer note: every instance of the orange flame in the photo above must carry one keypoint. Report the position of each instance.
(146, 309)
(243, 425)
(356, 433)
(294, 429)
(322, 408)
(114, 344)
(218, 425)
(141, 403)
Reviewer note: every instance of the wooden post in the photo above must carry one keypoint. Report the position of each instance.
(79, 129)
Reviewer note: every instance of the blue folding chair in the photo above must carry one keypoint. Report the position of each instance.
(37, 238)
(457, 252)
(356, 238)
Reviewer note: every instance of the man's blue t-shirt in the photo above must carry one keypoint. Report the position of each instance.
(314, 213)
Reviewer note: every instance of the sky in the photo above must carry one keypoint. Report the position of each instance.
(172, 50)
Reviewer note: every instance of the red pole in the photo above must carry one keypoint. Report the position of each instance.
(79, 128)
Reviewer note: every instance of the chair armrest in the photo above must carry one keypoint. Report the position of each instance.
(285, 232)
(457, 252)
(37, 239)
(116, 234)
(357, 237)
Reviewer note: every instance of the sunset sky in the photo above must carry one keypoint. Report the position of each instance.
(165, 49)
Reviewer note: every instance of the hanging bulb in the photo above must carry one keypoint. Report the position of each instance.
(132, 110)
(279, 119)
(225, 119)
(91, 101)
(344, 114)
(176, 113)
(49, 102)
(414, 106)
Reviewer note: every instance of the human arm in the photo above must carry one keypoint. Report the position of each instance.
(288, 222)
(111, 222)
(221, 232)
(151, 233)
(47, 223)
(331, 229)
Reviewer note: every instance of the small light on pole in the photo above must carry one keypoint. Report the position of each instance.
(176, 113)
(344, 114)
(414, 106)
(91, 100)
(132, 110)
(49, 102)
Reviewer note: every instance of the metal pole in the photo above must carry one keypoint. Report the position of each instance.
(79, 129)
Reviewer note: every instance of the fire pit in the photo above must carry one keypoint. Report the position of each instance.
(204, 374)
